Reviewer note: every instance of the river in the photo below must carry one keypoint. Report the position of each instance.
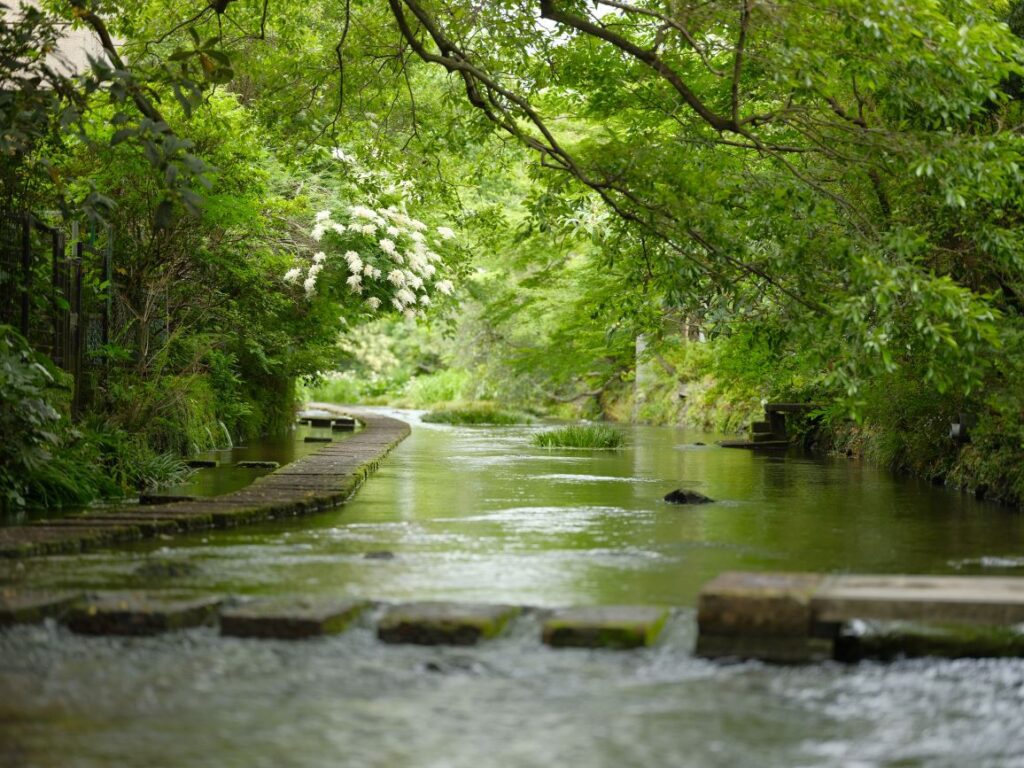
(478, 514)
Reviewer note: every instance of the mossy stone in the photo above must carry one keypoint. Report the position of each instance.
(617, 627)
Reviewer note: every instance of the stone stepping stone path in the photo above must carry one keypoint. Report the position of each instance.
(21, 607)
(140, 614)
(799, 617)
(298, 617)
(624, 626)
(290, 618)
(444, 623)
(320, 481)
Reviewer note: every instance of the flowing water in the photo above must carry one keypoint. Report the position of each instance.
(477, 514)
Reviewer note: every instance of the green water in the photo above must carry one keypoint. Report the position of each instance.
(479, 514)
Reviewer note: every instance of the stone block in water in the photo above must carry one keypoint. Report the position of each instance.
(766, 604)
(443, 623)
(625, 626)
(140, 614)
(28, 606)
(778, 649)
(290, 618)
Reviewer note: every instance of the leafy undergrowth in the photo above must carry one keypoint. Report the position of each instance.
(476, 414)
(580, 436)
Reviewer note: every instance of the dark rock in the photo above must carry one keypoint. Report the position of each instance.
(700, 443)
(683, 496)
(257, 464)
(201, 463)
(317, 439)
(380, 554)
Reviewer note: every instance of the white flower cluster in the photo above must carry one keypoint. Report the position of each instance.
(388, 258)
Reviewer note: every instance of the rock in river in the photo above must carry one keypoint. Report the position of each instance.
(683, 496)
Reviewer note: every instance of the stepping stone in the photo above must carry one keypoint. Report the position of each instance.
(257, 464)
(626, 626)
(24, 606)
(201, 463)
(290, 618)
(762, 604)
(443, 623)
(152, 499)
(147, 524)
(317, 439)
(36, 540)
(138, 614)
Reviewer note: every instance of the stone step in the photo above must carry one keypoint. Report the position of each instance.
(257, 464)
(436, 623)
(790, 617)
(317, 439)
(202, 463)
(941, 599)
(290, 618)
(760, 426)
(29, 606)
(153, 499)
(140, 614)
(619, 627)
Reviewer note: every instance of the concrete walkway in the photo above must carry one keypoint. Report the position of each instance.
(321, 481)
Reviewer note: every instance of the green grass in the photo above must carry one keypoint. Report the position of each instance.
(580, 436)
(476, 414)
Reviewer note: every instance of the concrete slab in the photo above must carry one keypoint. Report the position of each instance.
(777, 649)
(140, 614)
(774, 604)
(27, 606)
(290, 618)
(936, 599)
(435, 623)
(620, 626)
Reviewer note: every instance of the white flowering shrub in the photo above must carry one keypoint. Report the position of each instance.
(384, 258)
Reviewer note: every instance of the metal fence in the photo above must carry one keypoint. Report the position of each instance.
(56, 296)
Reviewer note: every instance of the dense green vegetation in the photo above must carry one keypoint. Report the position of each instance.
(580, 436)
(479, 413)
(591, 213)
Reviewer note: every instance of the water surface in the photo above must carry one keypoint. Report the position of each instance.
(478, 514)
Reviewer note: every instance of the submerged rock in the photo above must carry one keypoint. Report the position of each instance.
(379, 554)
(683, 496)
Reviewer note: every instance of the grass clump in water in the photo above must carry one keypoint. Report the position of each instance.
(580, 436)
(476, 414)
